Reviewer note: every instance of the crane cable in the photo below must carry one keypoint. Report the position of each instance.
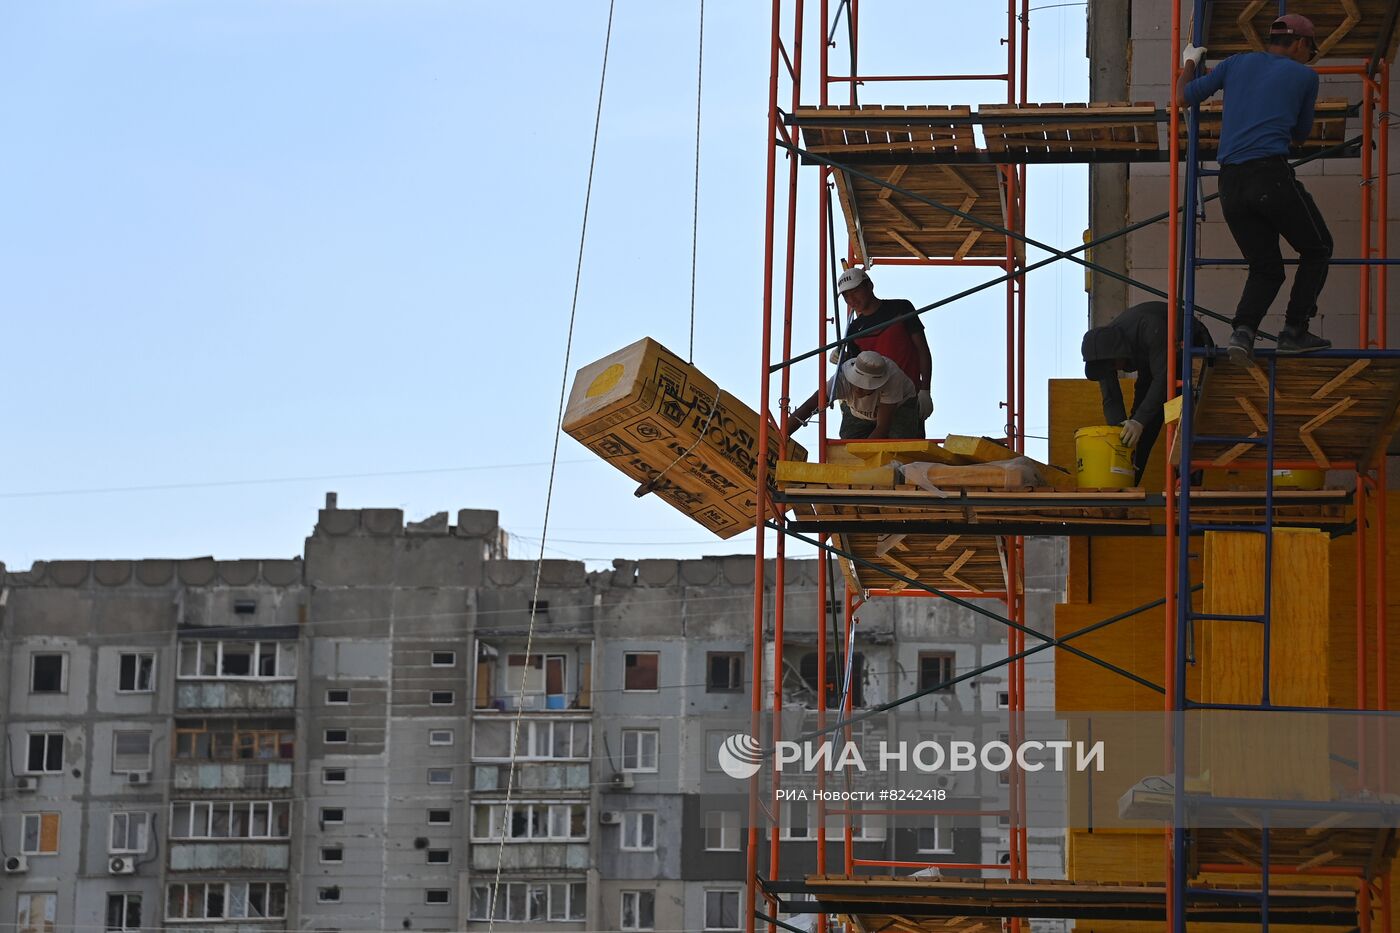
(695, 206)
(549, 491)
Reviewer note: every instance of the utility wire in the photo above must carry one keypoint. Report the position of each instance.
(554, 456)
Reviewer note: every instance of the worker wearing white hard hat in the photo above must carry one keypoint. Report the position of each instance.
(881, 325)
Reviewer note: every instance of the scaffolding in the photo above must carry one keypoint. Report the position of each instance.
(915, 187)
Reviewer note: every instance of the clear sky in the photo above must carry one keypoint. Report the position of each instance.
(254, 250)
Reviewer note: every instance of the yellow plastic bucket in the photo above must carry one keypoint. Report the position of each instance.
(1100, 461)
(1299, 479)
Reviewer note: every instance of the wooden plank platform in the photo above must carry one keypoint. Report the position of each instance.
(918, 904)
(1329, 124)
(1326, 411)
(1070, 128)
(972, 564)
(1349, 29)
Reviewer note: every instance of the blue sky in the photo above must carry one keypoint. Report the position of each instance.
(248, 246)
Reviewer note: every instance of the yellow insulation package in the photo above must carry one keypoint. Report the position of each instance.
(659, 420)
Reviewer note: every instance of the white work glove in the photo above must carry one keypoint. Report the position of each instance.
(1132, 431)
(1193, 53)
(925, 404)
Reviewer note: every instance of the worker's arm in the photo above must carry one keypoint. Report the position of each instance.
(800, 414)
(1151, 392)
(920, 341)
(1191, 89)
(884, 417)
(1112, 393)
(1303, 128)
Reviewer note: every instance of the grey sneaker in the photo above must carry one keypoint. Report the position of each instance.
(1241, 345)
(1298, 340)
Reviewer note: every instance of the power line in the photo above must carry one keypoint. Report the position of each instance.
(268, 481)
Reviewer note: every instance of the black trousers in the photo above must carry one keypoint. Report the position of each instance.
(1263, 200)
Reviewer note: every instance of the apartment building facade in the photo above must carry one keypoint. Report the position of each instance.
(325, 742)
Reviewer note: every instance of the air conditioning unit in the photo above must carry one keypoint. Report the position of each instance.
(944, 781)
(138, 777)
(622, 780)
(121, 865)
(610, 817)
(16, 864)
(26, 785)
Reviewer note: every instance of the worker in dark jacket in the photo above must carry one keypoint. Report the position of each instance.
(1135, 341)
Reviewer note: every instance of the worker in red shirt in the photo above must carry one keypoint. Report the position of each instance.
(869, 328)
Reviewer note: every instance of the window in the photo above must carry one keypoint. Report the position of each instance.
(797, 821)
(238, 660)
(439, 736)
(332, 855)
(233, 900)
(129, 833)
(131, 751)
(337, 736)
(442, 698)
(1003, 699)
(639, 749)
(725, 672)
(439, 817)
(231, 740)
(328, 895)
(721, 910)
(40, 836)
(638, 910)
(539, 607)
(439, 856)
(136, 673)
(439, 775)
(935, 837)
(47, 673)
(123, 913)
(36, 913)
(530, 822)
(333, 775)
(516, 901)
(236, 819)
(537, 740)
(245, 607)
(437, 896)
(935, 670)
(444, 659)
(722, 831)
(638, 831)
(639, 670)
(331, 816)
(337, 697)
(45, 753)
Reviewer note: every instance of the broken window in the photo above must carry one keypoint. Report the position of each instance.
(47, 672)
(835, 677)
(935, 670)
(136, 672)
(45, 753)
(724, 672)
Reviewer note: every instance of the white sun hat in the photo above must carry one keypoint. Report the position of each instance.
(868, 371)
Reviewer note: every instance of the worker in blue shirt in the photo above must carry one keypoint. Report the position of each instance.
(1269, 97)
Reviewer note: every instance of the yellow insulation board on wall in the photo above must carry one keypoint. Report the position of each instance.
(659, 419)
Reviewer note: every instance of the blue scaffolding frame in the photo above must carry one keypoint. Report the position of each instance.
(1183, 802)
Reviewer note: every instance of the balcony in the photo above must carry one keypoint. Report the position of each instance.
(222, 856)
(572, 856)
(220, 695)
(535, 776)
(553, 676)
(232, 776)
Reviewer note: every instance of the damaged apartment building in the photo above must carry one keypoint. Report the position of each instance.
(325, 741)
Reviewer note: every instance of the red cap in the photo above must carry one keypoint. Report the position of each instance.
(1293, 24)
